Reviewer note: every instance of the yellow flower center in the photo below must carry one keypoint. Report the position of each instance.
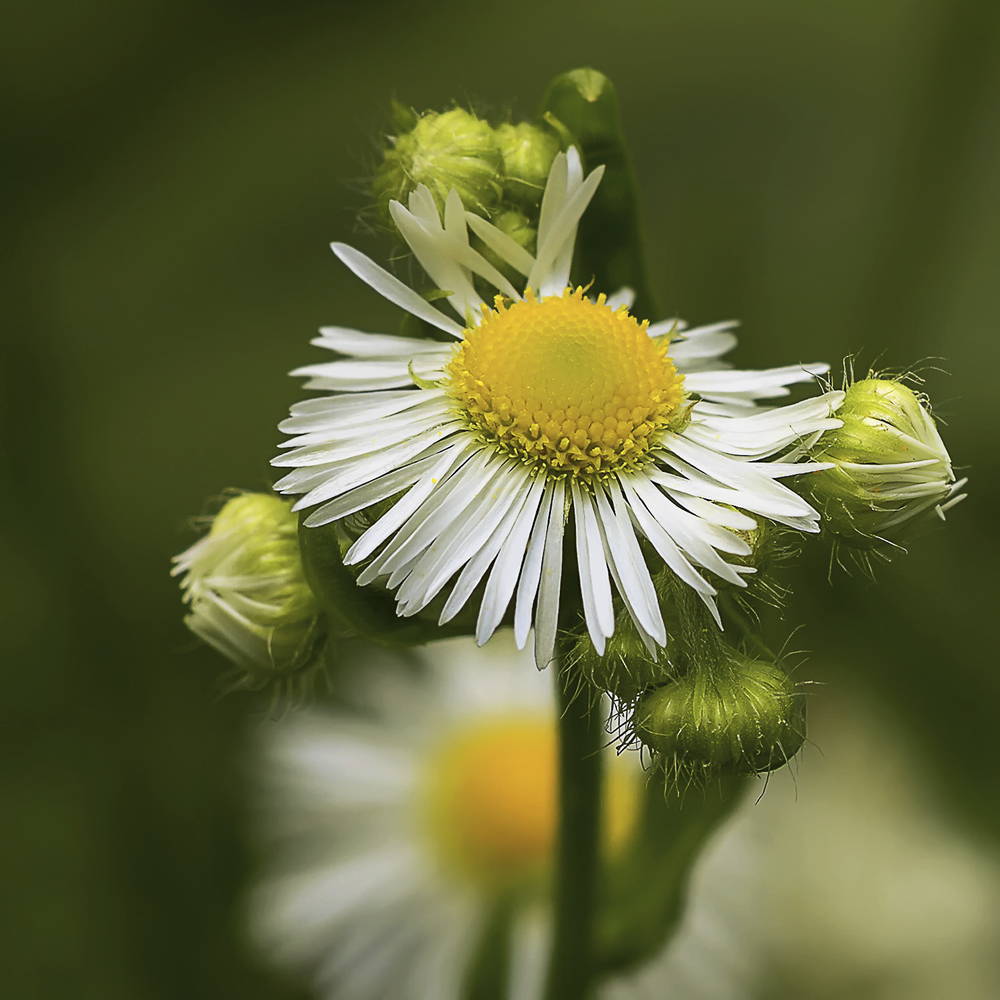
(491, 803)
(566, 383)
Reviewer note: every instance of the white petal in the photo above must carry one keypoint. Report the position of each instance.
(547, 613)
(625, 296)
(374, 345)
(430, 248)
(697, 538)
(469, 531)
(347, 475)
(501, 244)
(394, 518)
(348, 412)
(554, 196)
(316, 448)
(527, 584)
(393, 289)
(353, 376)
(432, 517)
(762, 384)
(595, 585)
(506, 570)
(629, 568)
(550, 274)
(373, 492)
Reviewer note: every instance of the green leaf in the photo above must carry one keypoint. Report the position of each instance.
(609, 242)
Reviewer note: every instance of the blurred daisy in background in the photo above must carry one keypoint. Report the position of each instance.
(541, 401)
(845, 880)
(399, 829)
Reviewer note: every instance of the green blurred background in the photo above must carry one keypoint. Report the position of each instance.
(174, 172)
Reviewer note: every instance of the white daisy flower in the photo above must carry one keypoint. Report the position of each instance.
(397, 830)
(548, 408)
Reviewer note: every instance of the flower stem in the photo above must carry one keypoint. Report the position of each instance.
(577, 849)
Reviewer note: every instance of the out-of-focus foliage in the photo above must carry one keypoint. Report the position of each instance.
(174, 172)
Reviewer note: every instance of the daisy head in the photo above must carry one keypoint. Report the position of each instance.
(398, 825)
(542, 453)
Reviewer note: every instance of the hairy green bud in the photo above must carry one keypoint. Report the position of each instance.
(246, 591)
(626, 667)
(744, 717)
(527, 152)
(453, 149)
(890, 465)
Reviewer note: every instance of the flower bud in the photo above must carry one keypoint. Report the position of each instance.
(527, 152)
(890, 465)
(454, 149)
(626, 667)
(246, 592)
(743, 718)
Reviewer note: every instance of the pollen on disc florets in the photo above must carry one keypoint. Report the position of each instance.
(566, 383)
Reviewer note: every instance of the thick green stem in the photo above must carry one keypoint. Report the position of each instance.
(578, 846)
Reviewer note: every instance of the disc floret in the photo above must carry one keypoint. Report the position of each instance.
(566, 383)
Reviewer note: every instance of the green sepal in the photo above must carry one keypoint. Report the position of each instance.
(368, 611)
(609, 243)
(643, 892)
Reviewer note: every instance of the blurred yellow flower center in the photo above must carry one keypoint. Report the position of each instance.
(491, 802)
(567, 383)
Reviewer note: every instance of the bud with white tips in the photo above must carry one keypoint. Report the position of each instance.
(890, 466)
(246, 591)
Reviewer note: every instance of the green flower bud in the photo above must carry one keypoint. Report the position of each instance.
(527, 152)
(744, 718)
(890, 465)
(246, 591)
(626, 669)
(454, 149)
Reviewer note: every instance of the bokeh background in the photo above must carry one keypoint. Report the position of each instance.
(174, 172)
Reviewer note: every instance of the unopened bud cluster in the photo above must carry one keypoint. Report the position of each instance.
(499, 172)
(246, 592)
(889, 466)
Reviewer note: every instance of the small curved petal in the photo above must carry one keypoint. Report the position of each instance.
(393, 289)
(501, 244)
